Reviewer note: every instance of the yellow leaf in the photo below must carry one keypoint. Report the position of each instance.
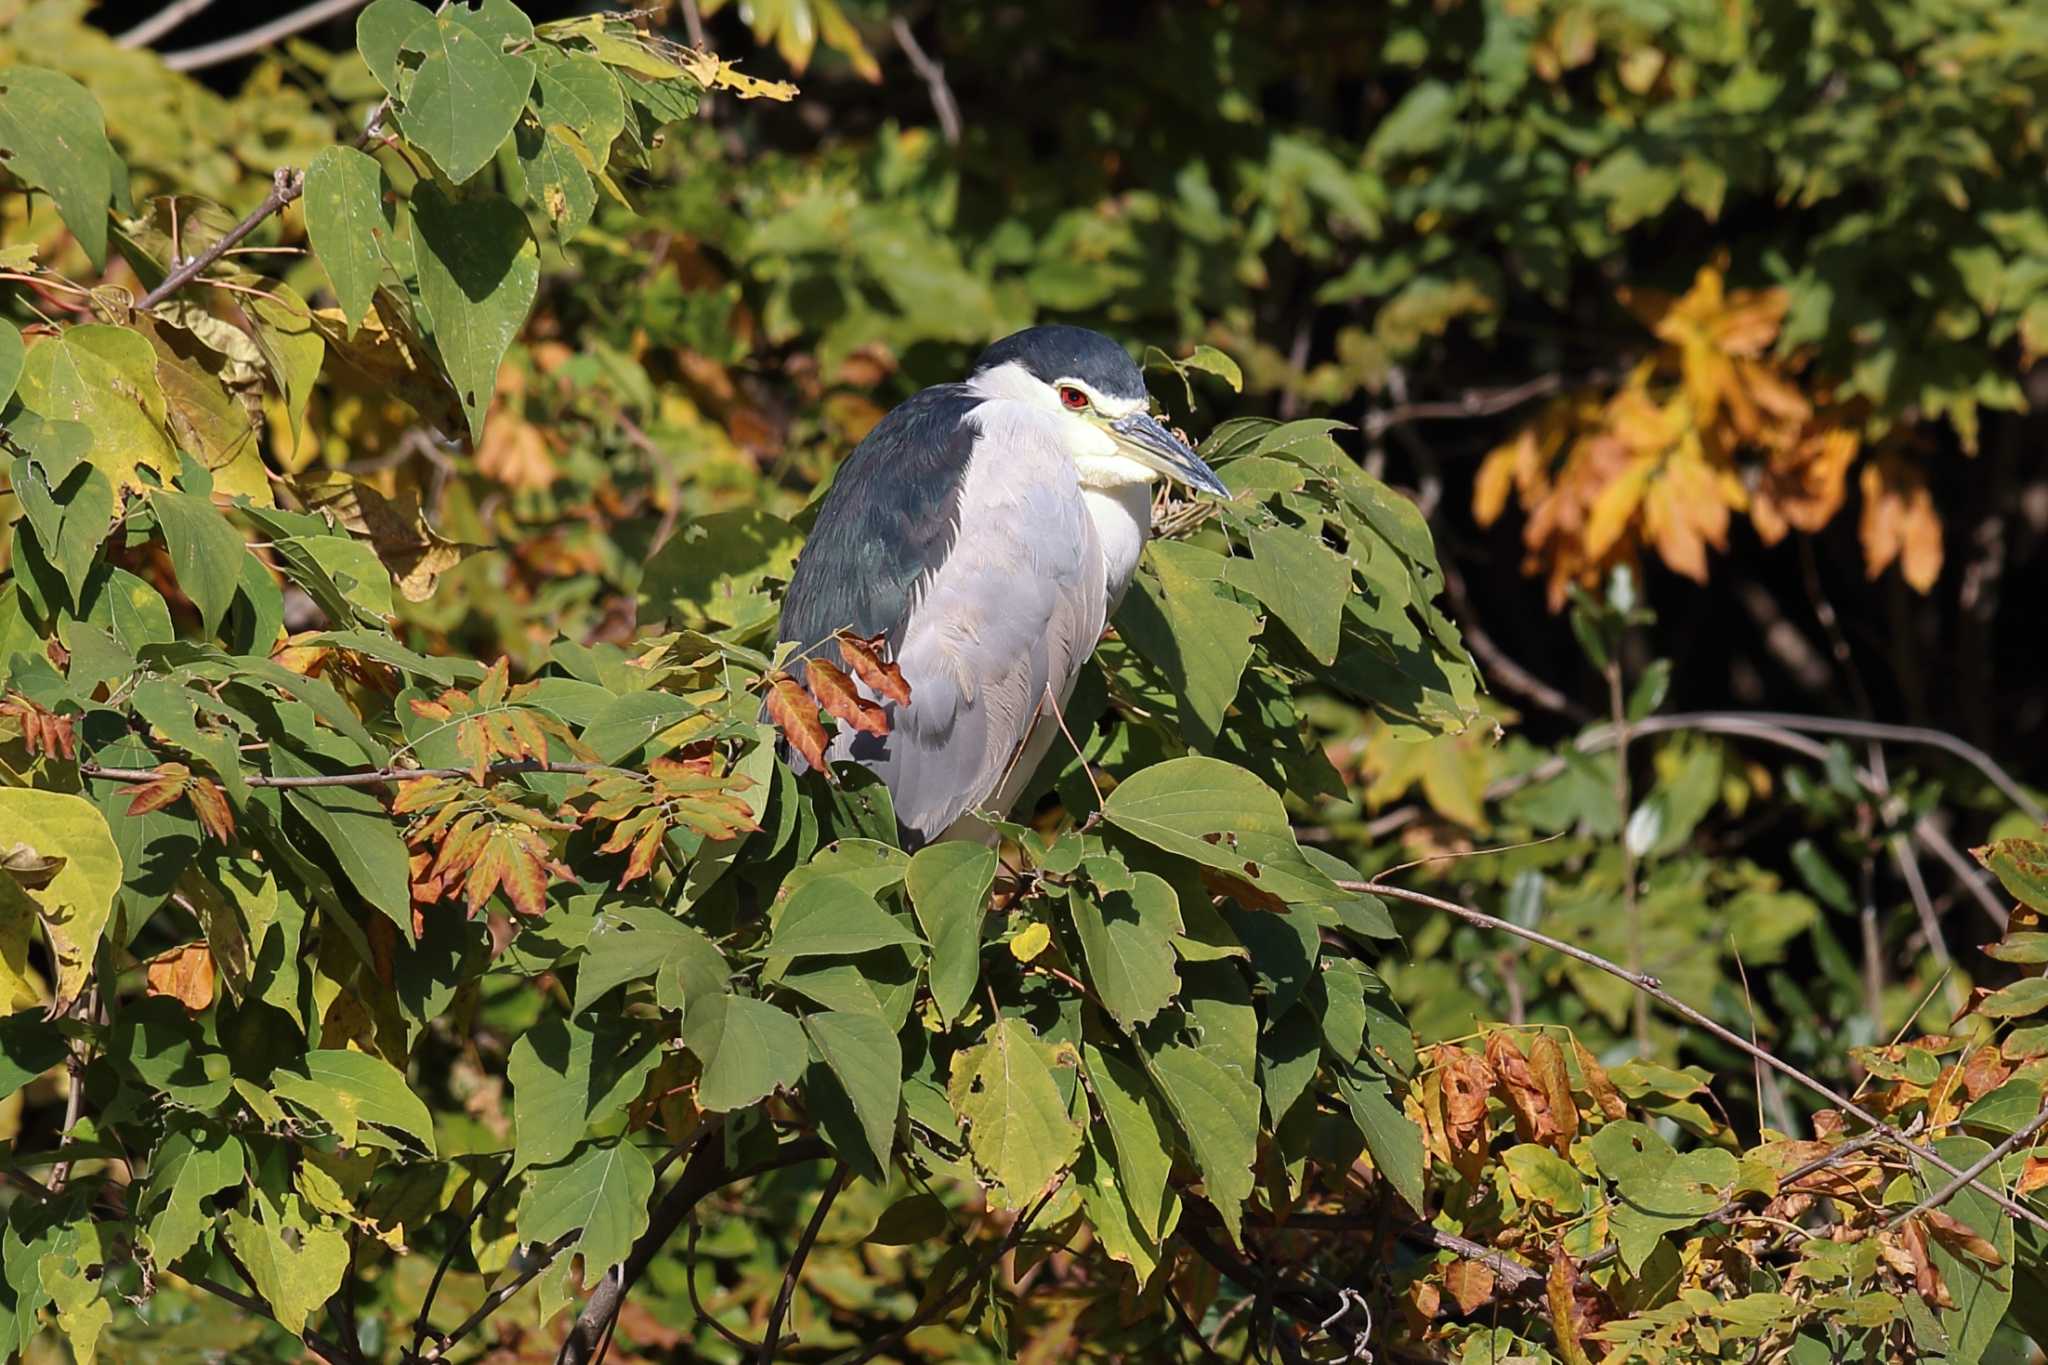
(1030, 943)
(185, 974)
(1616, 505)
(105, 378)
(1900, 523)
(76, 903)
(414, 552)
(714, 74)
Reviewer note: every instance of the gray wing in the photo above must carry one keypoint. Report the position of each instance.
(1011, 614)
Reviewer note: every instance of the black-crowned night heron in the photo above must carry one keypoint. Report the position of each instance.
(987, 529)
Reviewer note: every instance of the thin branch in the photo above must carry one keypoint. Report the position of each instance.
(1976, 1168)
(160, 23)
(705, 1172)
(367, 777)
(311, 1340)
(963, 1284)
(422, 1326)
(934, 76)
(771, 1340)
(1650, 986)
(1474, 402)
(285, 186)
(498, 1297)
(262, 36)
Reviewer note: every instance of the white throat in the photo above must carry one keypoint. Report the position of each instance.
(1123, 519)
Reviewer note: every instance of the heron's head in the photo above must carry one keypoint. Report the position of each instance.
(1099, 392)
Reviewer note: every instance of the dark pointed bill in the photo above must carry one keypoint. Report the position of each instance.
(1145, 440)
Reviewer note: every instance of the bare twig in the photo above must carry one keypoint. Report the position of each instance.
(498, 1297)
(1499, 666)
(1650, 986)
(160, 23)
(368, 777)
(311, 1340)
(285, 186)
(422, 1326)
(262, 36)
(1476, 402)
(705, 1172)
(934, 75)
(964, 1283)
(771, 1340)
(1968, 1176)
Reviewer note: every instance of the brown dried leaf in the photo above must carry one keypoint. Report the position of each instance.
(1960, 1237)
(2034, 1176)
(1561, 1287)
(1912, 1239)
(1599, 1085)
(1466, 1081)
(210, 804)
(1517, 1087)
(836, 693)
(185, 974)
(884, 679)
(795, 714)
(1471, 1284)
(1546, 1060)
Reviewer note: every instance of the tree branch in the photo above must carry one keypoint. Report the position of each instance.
(422, 1326)
(255, 39)
(771, 1340)
(368, 777)
(934, 75)
(310, 1339)
(705, 1172)
(160, 23)
(1650, 986)
(1976, 1168)
(285, 186)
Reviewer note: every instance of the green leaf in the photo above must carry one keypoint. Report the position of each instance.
(347, 1089)
(566, 1076)
(1127, 939)
(2028, 947)
(1142, 1139)
(630, 942)
(1221, 816)
(1982, 1294)
(381, 30)
(833, 916)
(75, 903)
(296, 1274)
(11, 355)
(292, 346)
(556, 180)
(53, 138)
(866, 1059)
(1018, 1128)
(1541, 1174)
(1218, 1108)
(1201, 640)
(103, 378)
(1289, 1051)
(1300, 580)
(2025, 996)
(949, 884)
(29, 1046)
(1391, 1136)
(206, 552)
(578, 90)
(358, 830)
(2022, 865)
(604, 1192)
(345, 222)
(465, 96)
(479, 271)
(190, 1164)
(748, 1048)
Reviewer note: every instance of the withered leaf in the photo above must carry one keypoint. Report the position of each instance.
(795, 714)
(185, 974)
(883, 677)
(836, 693)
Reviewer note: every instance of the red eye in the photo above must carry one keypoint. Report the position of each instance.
(1073, 398)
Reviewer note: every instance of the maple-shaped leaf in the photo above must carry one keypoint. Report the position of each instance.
(1803, 482)
(795, 714)
(883, 677)
(414, 552)
(842, 701)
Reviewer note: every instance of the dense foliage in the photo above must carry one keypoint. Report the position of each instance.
(414, 946)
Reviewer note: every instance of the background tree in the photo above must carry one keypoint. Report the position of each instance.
(414, 948)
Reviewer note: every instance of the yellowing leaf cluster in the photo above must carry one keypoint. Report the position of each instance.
(1714, 423)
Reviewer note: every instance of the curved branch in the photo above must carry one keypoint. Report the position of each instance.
(771, 1340)
(255, 39)
(160, 23)
(1650, 986)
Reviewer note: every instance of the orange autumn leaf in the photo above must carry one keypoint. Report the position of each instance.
(1471, 1284)
(795, 714)
(1466, 1081)
(842, 701)
(1686, 508)
(184, 974)
(1546, 1063)
(1899, 522)
(163, 790)
(1598, 1084)
(1525, 1097)
(1803, 483)
(883, 678)
(210, 804)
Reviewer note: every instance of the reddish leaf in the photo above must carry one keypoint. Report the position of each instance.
(1518, 1089)
(884, 678)
(485, 873)
(1960, 1237)
(1562, 1286)
(210, 804)
(168, 786)
(524, 879)
(796, 715)
(836, 693)
(1546, 1061)
(1466, 1081)
(1926, 1278)
(645, 850)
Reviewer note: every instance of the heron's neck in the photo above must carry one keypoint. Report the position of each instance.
(1122, 513)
